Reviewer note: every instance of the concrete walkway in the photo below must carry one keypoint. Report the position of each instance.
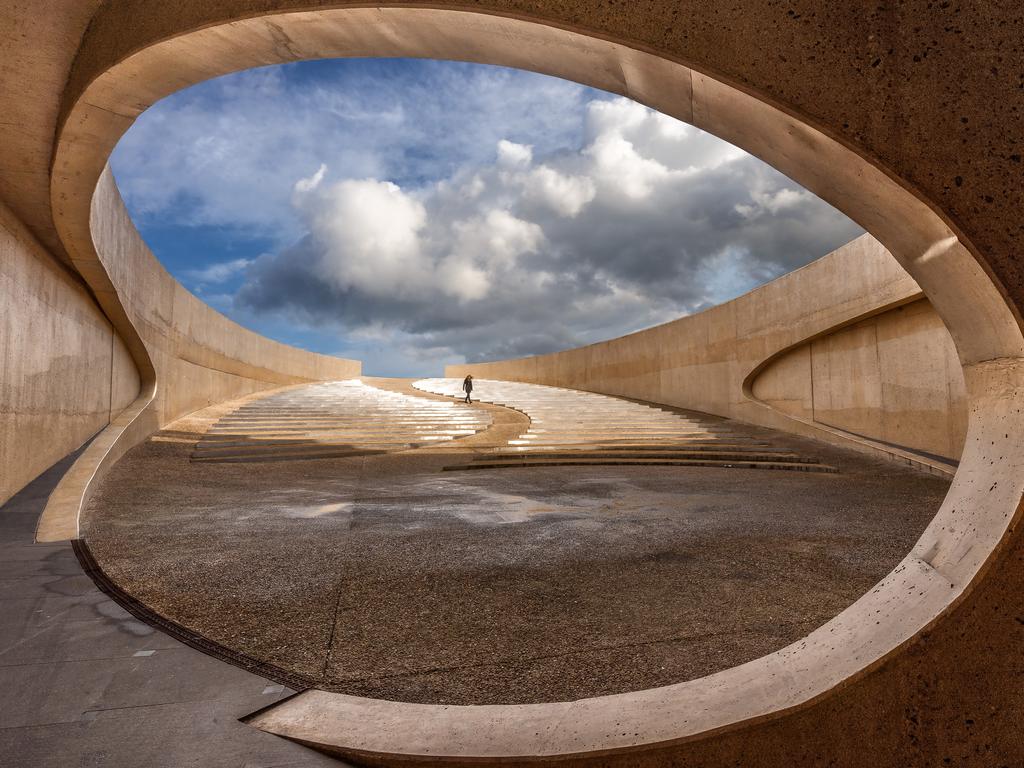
(86, 684)
(380, 575)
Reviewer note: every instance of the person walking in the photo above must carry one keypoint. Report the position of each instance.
(467, 387)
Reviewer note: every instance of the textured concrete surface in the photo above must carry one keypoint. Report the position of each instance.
(85, 684)
(38, 41)
(569, 427)
(904, 116)
(893, 378)
(64, 372)
(380, 576)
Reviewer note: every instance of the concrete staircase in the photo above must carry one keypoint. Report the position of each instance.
(570, 427)
(335, 419)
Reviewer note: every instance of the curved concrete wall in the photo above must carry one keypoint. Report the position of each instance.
(190, 356)
(64, 372)
(893, 378)
(199, 356)
(920, 149)
(78, 355)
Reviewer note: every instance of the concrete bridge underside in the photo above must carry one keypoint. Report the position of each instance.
(906, 118)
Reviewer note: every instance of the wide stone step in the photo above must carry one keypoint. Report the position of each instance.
(597, 461)
(635, 446)
(652, 432)
(324, 453)
(686, 454)
(355, 417)
(568, 428)
(334, 420)
(334, 430)
(288, 450)
(299, 443)
(376, 439)
(341, 425)
(568, 440)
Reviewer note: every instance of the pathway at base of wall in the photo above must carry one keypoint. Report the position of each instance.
(85, 683)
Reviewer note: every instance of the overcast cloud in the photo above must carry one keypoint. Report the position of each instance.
(510, 215)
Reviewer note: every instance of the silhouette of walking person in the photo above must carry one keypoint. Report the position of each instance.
(467, 386)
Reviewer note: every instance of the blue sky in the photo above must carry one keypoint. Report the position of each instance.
(415, 213)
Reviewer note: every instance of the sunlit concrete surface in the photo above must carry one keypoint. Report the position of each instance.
(844, 349)
(904, 117)
(569, 427)
(334, 419)
(381, 575)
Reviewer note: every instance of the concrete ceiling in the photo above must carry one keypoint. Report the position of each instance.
(38, 40)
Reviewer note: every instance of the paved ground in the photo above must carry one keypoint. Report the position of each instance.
(383, 576)
(84, 684)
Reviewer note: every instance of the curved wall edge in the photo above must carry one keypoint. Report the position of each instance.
(64, 371)
(715, 361)
(846, 692)
(190, 355)
(890, 381)
(60, 518)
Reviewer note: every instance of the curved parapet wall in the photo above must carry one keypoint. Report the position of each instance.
(892, 378)
(190, 356)
(845, 349)
(64, 372)
(926, 665)
(200, 357)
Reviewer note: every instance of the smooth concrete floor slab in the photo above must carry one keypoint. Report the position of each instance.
(86, 684)
(384, 577)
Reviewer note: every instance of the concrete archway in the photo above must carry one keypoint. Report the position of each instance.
(840, 667)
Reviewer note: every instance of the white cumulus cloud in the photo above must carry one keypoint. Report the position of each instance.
(460, 212)
(218, 272)
(648, 220)
(366, 234)
(564, 194)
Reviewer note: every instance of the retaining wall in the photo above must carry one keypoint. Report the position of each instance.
(843, 349)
